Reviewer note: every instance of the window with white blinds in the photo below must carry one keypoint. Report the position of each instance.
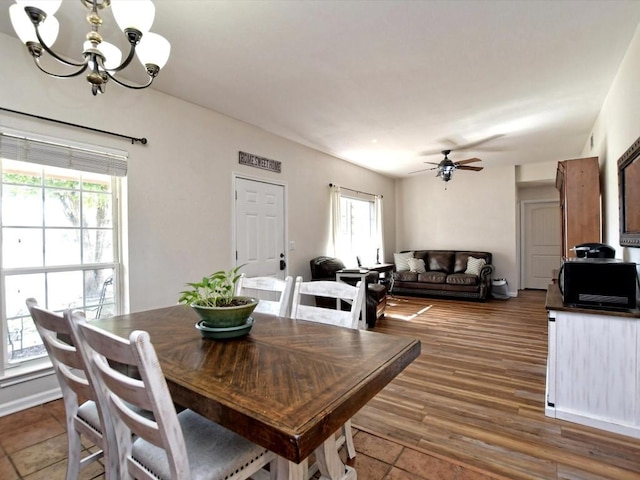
(60, 234)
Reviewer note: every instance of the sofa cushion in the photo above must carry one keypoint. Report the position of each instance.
(405, 276)
(462, 279)
(460, 264)
(474, 265)
(402, 261)
(441, 261)
(462, 257)
(432, 277)
(423, 254)
(417, 265)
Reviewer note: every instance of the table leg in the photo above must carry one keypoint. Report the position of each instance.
(287, 470)
(329, 463)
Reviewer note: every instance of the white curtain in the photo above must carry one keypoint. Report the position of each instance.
(336, 218)
(379, 237)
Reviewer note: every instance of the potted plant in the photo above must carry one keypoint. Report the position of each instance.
(214, 300)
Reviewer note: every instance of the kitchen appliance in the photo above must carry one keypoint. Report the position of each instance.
(601, 283)
(594, 250)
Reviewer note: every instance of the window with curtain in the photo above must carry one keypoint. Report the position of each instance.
(357, 224)
(60, 234)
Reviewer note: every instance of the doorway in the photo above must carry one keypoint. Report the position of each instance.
(541, 242)
(260, 227)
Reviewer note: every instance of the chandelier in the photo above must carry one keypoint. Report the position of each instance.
(37, 28)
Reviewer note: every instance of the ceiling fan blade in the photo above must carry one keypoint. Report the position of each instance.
(454, 147)
(468, 167)
(432, 163)
(468, 160)
(478, 142)
(419, 171)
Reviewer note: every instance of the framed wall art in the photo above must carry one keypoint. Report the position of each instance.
(629, 195)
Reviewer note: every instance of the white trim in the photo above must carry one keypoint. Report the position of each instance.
(19, 380)
(28, 370)
(31, 401)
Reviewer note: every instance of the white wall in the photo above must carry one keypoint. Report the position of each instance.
(180, 184)
(616, 128)
(542, 172)
(474, 211)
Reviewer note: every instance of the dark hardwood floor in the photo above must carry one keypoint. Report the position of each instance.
(476, 393)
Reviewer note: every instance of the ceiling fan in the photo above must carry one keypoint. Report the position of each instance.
(446, 167)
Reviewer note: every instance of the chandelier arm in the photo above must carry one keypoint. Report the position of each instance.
(100, 62)
(62, 60)
(127, 61)
(134, 87)
(36, 60)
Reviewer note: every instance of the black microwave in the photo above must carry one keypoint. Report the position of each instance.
(605, 283)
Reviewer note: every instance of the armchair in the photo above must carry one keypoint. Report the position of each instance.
(325, 268)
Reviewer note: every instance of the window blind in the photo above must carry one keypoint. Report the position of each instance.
(28, 147)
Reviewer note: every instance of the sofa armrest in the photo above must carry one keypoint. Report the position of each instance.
(485, 273)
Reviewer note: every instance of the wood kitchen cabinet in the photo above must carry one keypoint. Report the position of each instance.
(580, 202)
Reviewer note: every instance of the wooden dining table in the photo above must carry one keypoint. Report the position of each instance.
(288, 385)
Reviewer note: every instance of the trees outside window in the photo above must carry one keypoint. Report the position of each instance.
(59, 245)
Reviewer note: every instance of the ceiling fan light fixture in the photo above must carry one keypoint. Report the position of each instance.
(446, 172)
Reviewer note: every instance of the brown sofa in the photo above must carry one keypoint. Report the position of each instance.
(445, 275)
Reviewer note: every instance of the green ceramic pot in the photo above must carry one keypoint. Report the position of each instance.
(222, 317)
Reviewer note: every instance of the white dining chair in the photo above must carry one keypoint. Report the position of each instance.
(303, 303)
(184, 446)
(90, 418)
(274, 293)
(304, 294)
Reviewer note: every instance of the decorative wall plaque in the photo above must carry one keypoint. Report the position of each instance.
(259, 162)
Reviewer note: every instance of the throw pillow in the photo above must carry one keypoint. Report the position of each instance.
(402, 261)
(416, 265)
(474, 265)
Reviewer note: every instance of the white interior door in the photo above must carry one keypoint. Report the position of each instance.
(542, 243)
(260, 238)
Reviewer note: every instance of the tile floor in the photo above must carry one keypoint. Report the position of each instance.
(33, 446)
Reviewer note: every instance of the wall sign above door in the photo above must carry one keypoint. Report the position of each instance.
(259, 162)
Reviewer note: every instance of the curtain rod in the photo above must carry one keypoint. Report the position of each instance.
(143, 140)
(357, 191)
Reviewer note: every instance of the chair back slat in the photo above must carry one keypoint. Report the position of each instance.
(67, 360)
(81, 387)
(127, 395)
(274, 294)
(329, 289)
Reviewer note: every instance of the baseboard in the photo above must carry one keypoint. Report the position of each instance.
(30, 401)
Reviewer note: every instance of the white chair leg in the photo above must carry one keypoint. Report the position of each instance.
(75, 448)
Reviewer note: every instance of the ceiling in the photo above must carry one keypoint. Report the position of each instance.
(378, 83)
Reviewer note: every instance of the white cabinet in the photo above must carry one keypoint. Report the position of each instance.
(593, 370)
